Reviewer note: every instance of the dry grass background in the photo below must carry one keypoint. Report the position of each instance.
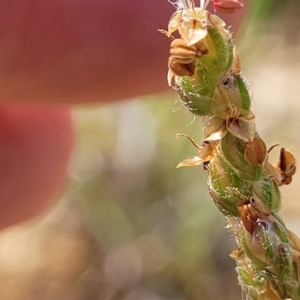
(130, 226)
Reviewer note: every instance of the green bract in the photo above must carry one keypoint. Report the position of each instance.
(267, 189)
(220, 54)
(243, 91)
(222, 179)
(233, 150)
(196, 92)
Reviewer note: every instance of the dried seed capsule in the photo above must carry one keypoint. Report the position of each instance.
(256, 234)
(250, 215)
(286, 165)
(182, 58)
(285, 168)
(205, 154)
(256, 151)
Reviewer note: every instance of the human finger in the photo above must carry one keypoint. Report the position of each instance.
(84, 51)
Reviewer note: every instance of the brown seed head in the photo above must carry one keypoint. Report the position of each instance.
(182, 57)
(251, 215)
(255, 151)
(286, 165)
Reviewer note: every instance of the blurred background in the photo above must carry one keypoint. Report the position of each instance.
(130, 225)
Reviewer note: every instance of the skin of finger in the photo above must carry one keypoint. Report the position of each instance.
(82, 51)
(36, 142)
(35, 147)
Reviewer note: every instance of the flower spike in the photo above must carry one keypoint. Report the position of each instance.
(205, 70)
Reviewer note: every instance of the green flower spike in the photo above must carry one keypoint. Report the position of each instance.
(205, 70)
(195, 69)
(257, 285)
